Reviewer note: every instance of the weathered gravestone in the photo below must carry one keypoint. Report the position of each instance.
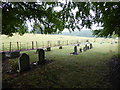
(2, 55)
(60, 47)
(86, 47)
(48, 48)
(87, 40)
(41, 56)
(75, 50)
(91, 46)
(78, 44)
(80, 49)
(12, 54)
(24, 62)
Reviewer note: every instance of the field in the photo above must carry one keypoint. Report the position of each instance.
(25, 41)
(89, 69)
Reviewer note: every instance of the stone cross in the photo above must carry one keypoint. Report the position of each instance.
(41, 56)
(24, 62)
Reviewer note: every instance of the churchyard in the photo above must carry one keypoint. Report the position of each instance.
(68, 62)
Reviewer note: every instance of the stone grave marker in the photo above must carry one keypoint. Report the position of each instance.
(75, 50)
(60, 47)
(24, 62)
(41, 56)
(86, 47)
(48, 48)
(91, 46)
(80, 49)
(78, 44)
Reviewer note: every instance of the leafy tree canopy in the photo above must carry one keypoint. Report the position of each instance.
(15, 15)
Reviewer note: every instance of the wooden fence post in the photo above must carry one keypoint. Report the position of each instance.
(32, 45)
(67, 42)
(36, 45)
(54, 43)
(48, 43)
(59, 43)
(10, 46)
(43, 44)
(20, 45)
(17, 46)
(3, 46)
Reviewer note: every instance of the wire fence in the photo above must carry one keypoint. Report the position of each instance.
(14, 46)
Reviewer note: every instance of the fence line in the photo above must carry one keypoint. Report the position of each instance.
(12, 46)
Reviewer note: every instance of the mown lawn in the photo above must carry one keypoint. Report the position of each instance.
(89, 69)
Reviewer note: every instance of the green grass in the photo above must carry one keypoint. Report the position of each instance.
(26, 40)
(86, 70)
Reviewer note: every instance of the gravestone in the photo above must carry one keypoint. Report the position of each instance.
(75, 50)
(12, 54)
(41, 56)
(80, 49)
(48, 48)
(91, 45)
(2, 55)
(87, 40)
(86, 47)
(24, 62)
(60, 47)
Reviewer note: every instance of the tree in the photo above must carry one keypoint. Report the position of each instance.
(15, 14)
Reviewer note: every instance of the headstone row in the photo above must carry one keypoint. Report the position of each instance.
(86, 47)
(24, 60)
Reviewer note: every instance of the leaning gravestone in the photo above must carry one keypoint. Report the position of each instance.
(24, 62)
(48, 48)
(41, 56)
(91, 45)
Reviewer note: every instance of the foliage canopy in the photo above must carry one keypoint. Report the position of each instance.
(15, 15)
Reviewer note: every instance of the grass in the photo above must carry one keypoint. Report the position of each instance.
(86, 70)
(26, 40)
